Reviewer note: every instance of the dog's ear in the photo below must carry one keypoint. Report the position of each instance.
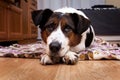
(35, 16)
(40, 17)
(81, 23)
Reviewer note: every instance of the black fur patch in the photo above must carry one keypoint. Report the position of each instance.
(89, 38)
(40, 17)
(81, 23)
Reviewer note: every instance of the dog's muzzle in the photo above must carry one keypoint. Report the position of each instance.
(54, 47)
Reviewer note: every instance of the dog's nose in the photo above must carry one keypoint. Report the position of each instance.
(55, 46)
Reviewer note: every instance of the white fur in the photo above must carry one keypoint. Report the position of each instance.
(70, 10)
(81, 45)
(70, 56)
(58, 35)
(45, 59)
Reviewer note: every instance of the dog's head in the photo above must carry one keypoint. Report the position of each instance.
(60, 31)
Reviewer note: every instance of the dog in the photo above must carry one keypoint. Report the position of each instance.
(66, 31)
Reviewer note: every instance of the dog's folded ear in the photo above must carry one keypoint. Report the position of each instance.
(35, 16)
(81, 23)
(40, 17)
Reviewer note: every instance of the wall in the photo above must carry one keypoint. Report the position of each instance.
(114, 2)
(55, 4)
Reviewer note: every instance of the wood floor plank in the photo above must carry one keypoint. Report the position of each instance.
(31, 69)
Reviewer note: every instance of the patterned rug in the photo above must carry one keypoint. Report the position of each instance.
(100, 48)
(33, 50)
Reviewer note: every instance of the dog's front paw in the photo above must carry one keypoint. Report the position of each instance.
(70, 58)
(45, 59)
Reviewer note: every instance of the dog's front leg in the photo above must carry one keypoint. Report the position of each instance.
(70, 58)
(45, 59)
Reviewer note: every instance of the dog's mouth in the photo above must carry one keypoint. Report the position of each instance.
(54, 55)
(56, 51)
(56, 59)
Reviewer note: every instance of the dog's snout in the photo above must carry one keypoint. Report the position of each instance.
(55, 47)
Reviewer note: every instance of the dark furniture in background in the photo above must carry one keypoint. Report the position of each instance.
(15, 20)
(106, 21)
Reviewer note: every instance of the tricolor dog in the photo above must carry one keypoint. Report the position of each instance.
(65, 31)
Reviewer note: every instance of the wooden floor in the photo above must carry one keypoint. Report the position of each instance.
(31, 69)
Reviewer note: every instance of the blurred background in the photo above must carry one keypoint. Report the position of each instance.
(55, 4)
(16, 25)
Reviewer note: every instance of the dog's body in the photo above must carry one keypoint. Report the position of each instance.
(65, 31)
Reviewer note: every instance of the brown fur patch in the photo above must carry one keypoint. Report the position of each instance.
(44, 36)
(67, 23)
(74, 39)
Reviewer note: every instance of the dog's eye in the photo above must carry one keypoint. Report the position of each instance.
(50, 28)
(67, 29)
